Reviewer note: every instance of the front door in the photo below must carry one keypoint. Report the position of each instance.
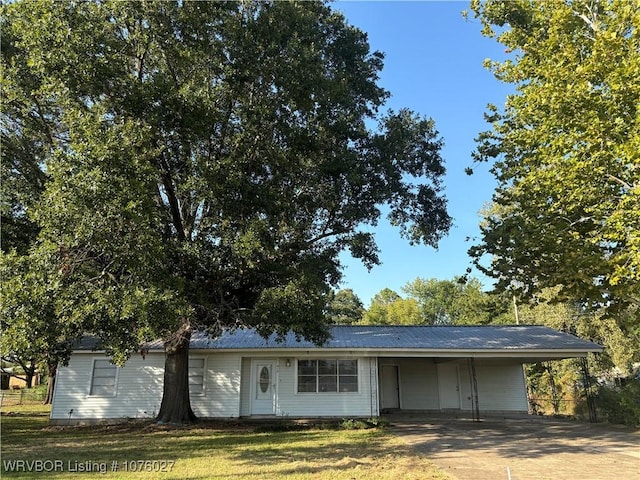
(449, 386)
(390, 388)
(263, 388)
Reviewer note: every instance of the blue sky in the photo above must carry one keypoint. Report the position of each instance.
(434, 66)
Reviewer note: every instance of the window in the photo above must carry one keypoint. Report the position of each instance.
(196, 376)
(103, 378)
(327, 376)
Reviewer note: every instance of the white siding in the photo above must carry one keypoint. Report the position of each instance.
(138, 389)
(293, 404)
(221, 396)
(418, 379)
(501, 388)
(245, 388)
(227, 382)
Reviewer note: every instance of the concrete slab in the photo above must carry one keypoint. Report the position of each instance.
(523, 448)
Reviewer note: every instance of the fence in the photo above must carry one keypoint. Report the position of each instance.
(566, 406)
(22, 397)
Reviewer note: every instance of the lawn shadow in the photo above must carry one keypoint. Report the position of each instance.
(514, 438)
(258, 450)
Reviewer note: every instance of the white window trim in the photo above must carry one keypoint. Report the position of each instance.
(204, 376)
(295, 383)
(91, 372)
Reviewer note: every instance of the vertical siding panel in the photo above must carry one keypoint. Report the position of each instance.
(418, 380)
(245, 387)
(466, 402)
(501, 388)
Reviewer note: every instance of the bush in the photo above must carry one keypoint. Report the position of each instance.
(362, 423)
(620, 405)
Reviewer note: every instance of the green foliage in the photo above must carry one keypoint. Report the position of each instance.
(344, 307)
(565, 151)
(452, 302)
(621, 405)
(30, 330)
(202, 164)
(459, 301)
(363, 423)
(621, 347)
(389, 308)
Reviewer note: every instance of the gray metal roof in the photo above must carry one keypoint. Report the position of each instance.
(437, 338)
(409, 337)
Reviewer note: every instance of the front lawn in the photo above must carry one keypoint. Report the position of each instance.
(207, 451)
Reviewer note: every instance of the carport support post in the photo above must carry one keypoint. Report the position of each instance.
(475, 407)
(586, 380)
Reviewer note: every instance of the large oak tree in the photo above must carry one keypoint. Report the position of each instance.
(565, 151)
(203, 164)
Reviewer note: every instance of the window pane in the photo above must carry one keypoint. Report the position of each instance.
(263, 382)
(195, 388)
(196, 376)
(327, 367)
(348, 383)
(306, 384)
(307, 367)
(327, 384)
(196, 363)
(348, 367)
(103, 379)
(102, 390)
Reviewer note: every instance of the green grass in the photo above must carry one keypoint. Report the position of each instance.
(207, 451)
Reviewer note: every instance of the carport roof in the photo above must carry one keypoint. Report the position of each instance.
(516, 339)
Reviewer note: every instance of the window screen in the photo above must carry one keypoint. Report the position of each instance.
(103, 378)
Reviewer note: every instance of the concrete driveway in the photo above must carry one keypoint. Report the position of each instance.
(523, 448)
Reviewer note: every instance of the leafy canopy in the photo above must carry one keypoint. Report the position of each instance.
(389, 308)
(344, 307)
(202, 164)
(565, 151)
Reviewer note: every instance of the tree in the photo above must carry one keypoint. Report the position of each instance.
(620, 346)
(31, 335)
(446, 302)
(208, 163)
(564, 378)
(565, 151)
(389, 308)
(344, 307)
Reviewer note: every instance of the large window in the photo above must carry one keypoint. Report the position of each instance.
(103, 378)
(326, 376)
(196, 376)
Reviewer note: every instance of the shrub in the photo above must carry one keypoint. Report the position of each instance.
(620, 405)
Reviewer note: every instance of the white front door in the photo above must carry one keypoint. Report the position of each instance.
(263, 388)
(389, 387)
(448, 386)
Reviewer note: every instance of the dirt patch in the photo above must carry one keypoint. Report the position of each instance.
(520, 449)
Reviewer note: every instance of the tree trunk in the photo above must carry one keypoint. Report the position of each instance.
(176, 405)
(29, 373)
(51, 383)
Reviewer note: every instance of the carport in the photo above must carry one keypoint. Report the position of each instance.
(472, 370)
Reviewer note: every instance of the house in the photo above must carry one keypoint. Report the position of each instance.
(362, 371)
(12, 378)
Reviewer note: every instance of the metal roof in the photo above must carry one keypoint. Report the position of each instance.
(360, 337)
